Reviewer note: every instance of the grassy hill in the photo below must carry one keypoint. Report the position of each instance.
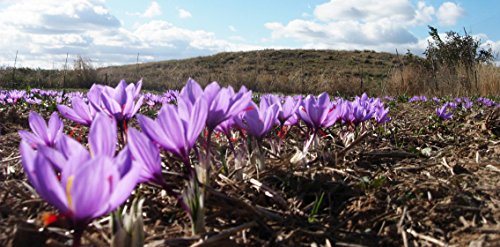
(283, 71)
(286, 71)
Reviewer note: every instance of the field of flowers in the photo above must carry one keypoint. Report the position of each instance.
(219, 166)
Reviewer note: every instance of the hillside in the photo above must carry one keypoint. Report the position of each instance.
(344, 73)
(287, 71)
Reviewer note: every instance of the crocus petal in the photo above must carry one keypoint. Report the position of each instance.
(138, 87)
(119, 92)
(137, 106)
(146, 154)
(128, 106)
(239, 102)
(218, 109)
(111, 106)
(102, 136)
(90, 188)
(56, 158)
(211, 90)
(197, 121)
(254, 124)
(288, 108)
(123, 161)
(270, 117)
(69, 147)
(49, 187)
(191, 91)
(292, 120)
(184, 110)
(124, 187)
(73, 163)
(71, 115)
(155, 132)
(55, 127)
(313, 110)
(82, 109)
(31, 138)
(302, 111)
(173, 128)
(28, 160)
(38, 126)
(94, 96)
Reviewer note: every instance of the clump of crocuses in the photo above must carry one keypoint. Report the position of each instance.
(443, 112)
(86, 185)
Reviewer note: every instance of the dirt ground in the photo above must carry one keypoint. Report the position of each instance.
(410, 183)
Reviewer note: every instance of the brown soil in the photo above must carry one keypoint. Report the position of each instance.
(410, 184)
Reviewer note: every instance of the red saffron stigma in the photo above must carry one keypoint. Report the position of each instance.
(125, 127)
(49, 218)
(248, 108)
(323, 134)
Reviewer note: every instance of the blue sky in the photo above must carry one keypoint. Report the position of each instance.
(112, 32)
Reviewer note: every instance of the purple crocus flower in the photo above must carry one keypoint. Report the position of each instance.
(416, 98)
(3, 97)
(389, 98)
(119, 101)
(258, 121)
(345, 111)
(81, 112)
(33, 101)
(292, 120)
(362, 110)
(223, 103)
(147, 155)
(177, 128)
(467, 103)
(318, 113)
(43, 134)
(91, 185)
(380, 113)
(443, 112)
(287, 107)
(485, 101)
(15, 95)
(226, 126)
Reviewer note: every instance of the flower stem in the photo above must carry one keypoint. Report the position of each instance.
(77, 236)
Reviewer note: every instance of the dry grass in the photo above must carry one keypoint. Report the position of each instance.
(488, 80)
(417, 80)
(286, 71)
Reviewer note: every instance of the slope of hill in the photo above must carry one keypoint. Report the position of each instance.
(286, 71)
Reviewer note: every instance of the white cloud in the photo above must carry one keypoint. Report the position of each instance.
(356, 23)
(448, 13)
(165, 35)
(43, 33)
(424, 13)
(231, 28)
(184, 14)
(365, 24)
(495, 47)
(365, 10)
(153, 10)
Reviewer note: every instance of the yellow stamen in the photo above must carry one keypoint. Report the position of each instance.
(69, 184)
(90, 151)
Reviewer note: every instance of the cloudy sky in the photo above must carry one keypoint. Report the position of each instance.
(114, 31)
